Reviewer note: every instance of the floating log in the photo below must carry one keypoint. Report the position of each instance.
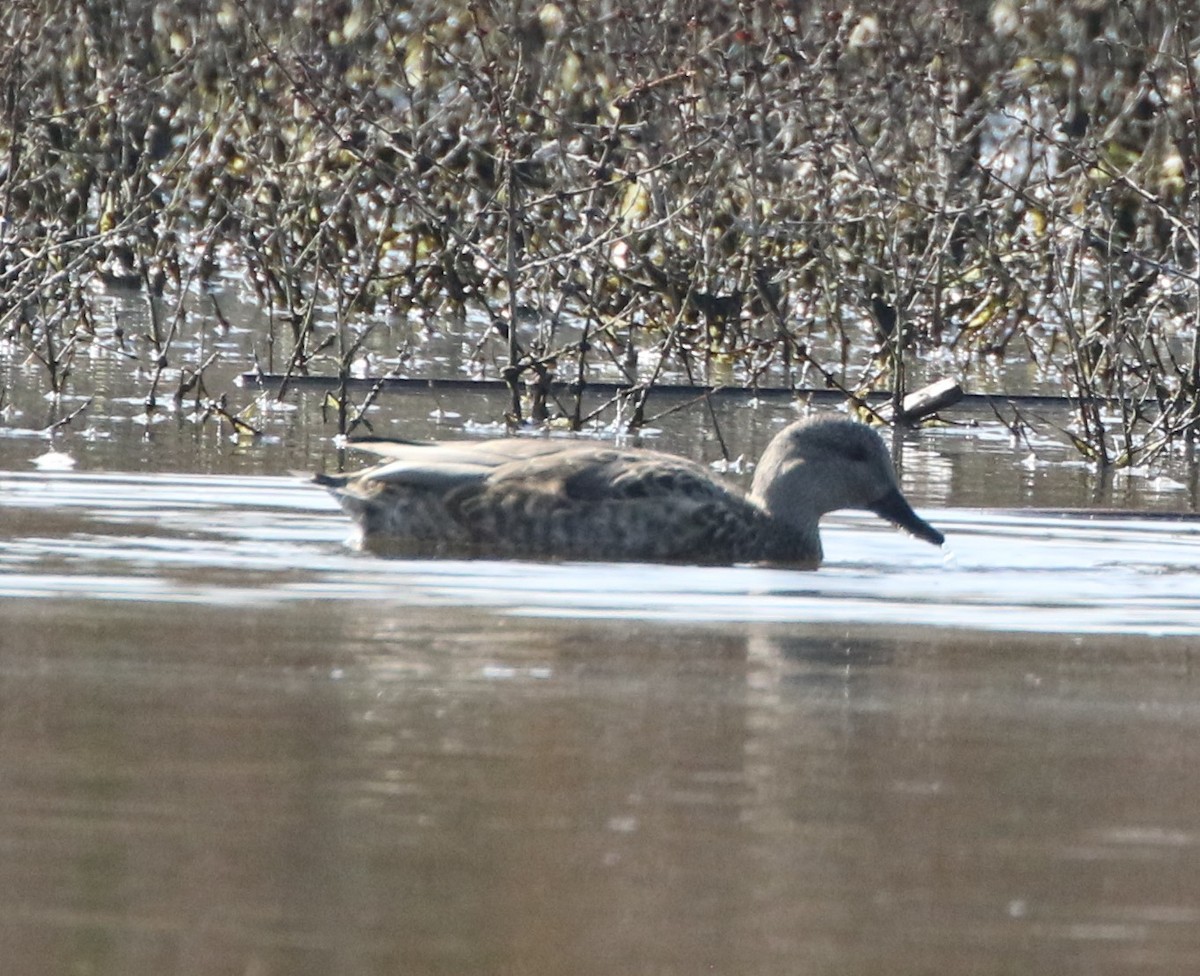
(927, 401)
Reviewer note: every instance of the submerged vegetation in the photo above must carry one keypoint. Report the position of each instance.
(797, 194)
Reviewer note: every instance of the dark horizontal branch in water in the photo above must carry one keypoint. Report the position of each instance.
(403, 384)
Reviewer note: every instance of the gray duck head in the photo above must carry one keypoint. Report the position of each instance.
(823, 464)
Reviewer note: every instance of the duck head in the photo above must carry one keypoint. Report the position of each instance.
(823, 464)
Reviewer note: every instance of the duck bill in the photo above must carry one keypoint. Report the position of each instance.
(895, 508)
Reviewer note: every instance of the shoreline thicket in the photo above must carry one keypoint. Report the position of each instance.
(811, 190)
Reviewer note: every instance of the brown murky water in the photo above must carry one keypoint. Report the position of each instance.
(319, 788)
(230, 745)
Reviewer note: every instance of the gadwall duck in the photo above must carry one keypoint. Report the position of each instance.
(559, 499)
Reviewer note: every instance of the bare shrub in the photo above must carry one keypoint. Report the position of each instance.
(723, 191)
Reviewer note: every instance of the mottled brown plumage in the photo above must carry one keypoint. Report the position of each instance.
(548, 499)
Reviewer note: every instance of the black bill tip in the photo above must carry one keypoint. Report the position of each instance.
(895, 508)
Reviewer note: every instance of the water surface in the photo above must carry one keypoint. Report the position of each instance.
(231, 744)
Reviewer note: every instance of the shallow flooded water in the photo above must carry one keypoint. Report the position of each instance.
(230, 744)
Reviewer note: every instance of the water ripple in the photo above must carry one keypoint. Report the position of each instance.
(244, 540)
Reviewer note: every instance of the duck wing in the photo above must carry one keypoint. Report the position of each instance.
(573, 471)
(592, 474)
(599, 503)
(517, 498)
(444, 465)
